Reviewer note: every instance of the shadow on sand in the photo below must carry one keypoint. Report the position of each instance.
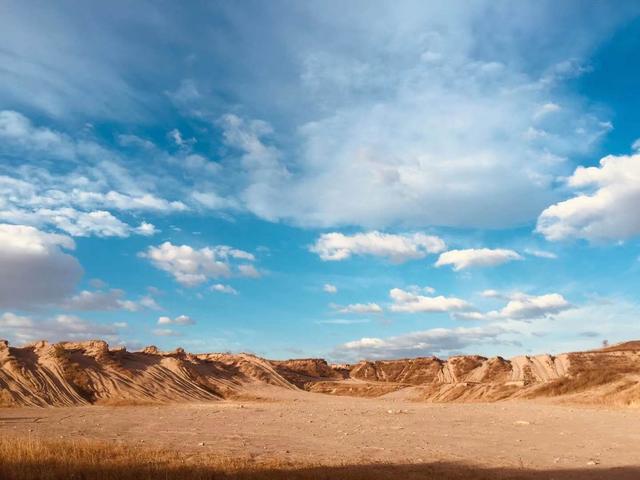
(24, 470)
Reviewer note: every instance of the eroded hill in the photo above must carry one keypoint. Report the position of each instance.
(77, 373)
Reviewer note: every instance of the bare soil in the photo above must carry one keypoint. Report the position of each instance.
(297, 427)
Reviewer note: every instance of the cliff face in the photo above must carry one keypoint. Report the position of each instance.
(44, 374)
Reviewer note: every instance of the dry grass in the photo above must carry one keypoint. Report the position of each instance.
(29, 459)
(589, 372)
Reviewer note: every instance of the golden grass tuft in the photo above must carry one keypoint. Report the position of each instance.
(31, 459)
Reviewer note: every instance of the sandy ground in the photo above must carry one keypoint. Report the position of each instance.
(307, 427)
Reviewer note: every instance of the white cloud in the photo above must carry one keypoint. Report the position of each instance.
(398, 248)
(476, 257)
(329, 288)
(165, 332)
(219, 287)
(343, 321)
(16, 130)
(35, 269)
(108, 300)
(179, 140)
(190, 266)
(541, 253)
(23, 329)
(526, 306)
(359, 308)
(491, 294)
(262, 163)
(247, 270)
(99, 189)
(76, 223)
(417, 289)
(10, 320)
(416, 127)
(521, 306)
(412, 126)
(545, 110)
(579, 328)
(436, 341)
(605, 207)
(179, 320)
(410, 302)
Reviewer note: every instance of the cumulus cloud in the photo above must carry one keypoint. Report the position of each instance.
(527, 306)
(24, 329)
(411, 302)
(436, 341)
(35, 268)
(329, 288)
(113, 299)
(476, 257)
(219, 287)
(604, 207)
(179, 320)
(190, 266)
(521, 306)
(10, 320)
(398, 248)
(569, 330)
(359, 308)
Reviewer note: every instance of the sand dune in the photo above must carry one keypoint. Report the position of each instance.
(68, 373)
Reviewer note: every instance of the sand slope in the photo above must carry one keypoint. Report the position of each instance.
(67, 373)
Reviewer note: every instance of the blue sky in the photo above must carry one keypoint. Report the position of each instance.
(348, 181)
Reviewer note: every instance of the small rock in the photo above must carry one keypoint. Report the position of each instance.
(521, 422)
(593, 462)
(201, 444)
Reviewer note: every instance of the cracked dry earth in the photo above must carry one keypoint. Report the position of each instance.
(309, 427)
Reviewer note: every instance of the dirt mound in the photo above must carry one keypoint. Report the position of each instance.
(80, 373)
(306, 371)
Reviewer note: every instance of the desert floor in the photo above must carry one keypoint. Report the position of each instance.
(329, 430)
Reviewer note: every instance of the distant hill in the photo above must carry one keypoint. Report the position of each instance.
(81, 373)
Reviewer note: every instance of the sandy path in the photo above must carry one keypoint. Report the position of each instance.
(304, 427)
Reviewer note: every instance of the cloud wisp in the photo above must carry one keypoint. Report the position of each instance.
(396, 247)
(476, 257)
